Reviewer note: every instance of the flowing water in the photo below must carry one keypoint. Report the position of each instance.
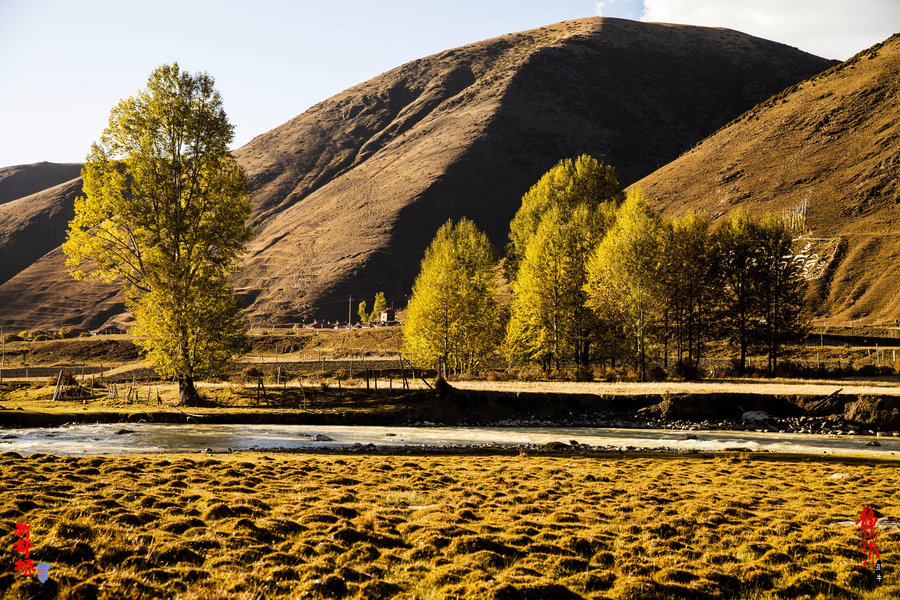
(125, 438)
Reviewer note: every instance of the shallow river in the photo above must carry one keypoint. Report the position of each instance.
(123, 438)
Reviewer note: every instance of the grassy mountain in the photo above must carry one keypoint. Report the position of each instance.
(34, 225)
(35, 207)
(348, 194)
(829, 145)
(23, 180)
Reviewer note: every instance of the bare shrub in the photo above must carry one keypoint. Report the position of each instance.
(530, 373)
(656, 373)
(249, 374)
(583, 373)
(685, 370)
(632, 373)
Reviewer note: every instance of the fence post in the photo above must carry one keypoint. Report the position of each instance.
(56, 390)
(403, 373)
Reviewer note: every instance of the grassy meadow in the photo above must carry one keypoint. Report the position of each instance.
(413, 527)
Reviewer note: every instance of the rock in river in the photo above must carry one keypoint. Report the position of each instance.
(755, 415)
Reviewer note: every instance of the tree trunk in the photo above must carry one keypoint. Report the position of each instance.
(642, 341)
(666, 341)
(699, 324)
(643, 360)
(441, 370)
(743, 341)
(187, 393)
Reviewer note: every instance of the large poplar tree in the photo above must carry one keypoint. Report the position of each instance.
(549, 322)
(686, 275)
(453, 315)
(759, 300)
(737, 251)
(565, 186)
(562, 218)
(781, 289)
(623, 274)
(164, 213)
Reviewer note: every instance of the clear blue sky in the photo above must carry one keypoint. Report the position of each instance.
(64, 64)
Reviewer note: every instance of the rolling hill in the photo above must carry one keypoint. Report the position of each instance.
(35, 207)
(348, 194)
(23, 180)
(32, 226)
(828, 147)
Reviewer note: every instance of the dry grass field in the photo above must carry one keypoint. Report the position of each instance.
(273, 526)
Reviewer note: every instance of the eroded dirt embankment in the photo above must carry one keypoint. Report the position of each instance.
(450, 406)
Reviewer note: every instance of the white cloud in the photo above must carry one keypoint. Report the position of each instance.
(829, 28)
(598, 8)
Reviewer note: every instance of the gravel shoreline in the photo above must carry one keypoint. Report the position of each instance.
(805, 424)
(470, 449)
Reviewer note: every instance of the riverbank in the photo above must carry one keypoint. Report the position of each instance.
(279, 526)
(565, 405)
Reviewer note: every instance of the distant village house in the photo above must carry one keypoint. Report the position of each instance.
(108, 330)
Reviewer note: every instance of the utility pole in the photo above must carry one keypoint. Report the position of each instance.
(349, 312)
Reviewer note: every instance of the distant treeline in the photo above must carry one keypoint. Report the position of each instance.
(597, 276)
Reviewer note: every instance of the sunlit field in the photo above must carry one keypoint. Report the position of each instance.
(284, 526)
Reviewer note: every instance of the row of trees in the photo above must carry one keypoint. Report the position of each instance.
(597, 276)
